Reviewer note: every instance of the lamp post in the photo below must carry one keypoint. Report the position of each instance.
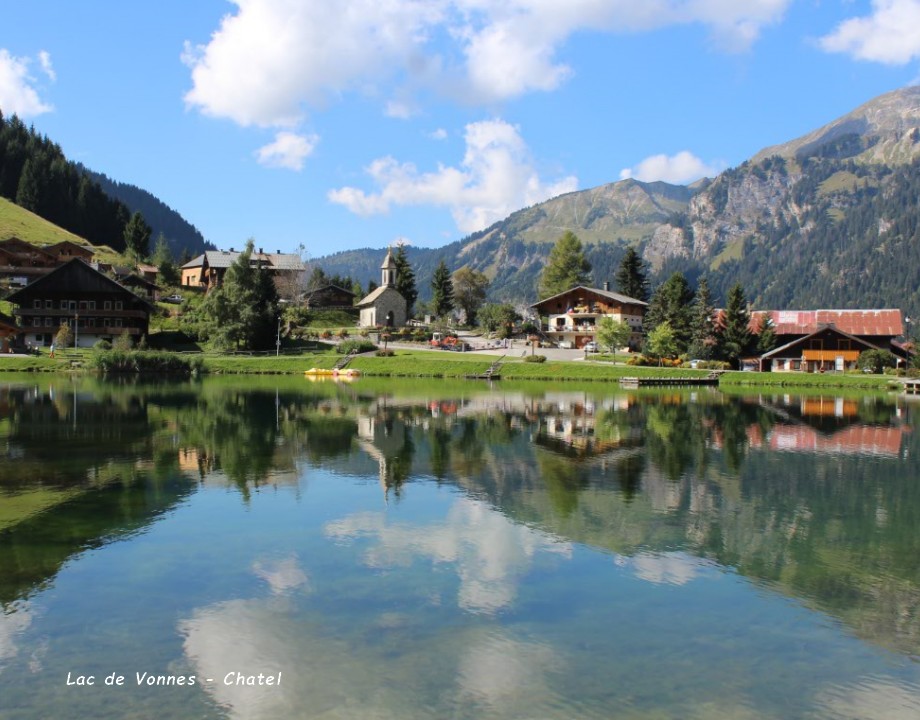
(278, 339)
(76, 330)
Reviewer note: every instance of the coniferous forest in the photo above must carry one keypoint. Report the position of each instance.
(36, 175)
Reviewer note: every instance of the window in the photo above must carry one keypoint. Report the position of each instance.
(36, 322)
(106, 322)
(91, 304)
(37, 304)
(83, 305)
(119, 304)
(48, 322)
(64, 304)
(117, 322)
(90, 322)
(107, 305)
(49, 304)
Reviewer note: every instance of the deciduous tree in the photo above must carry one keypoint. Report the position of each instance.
(612, 334)
(470, 291)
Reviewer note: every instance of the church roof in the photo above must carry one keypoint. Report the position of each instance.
(376, 295)
(389, 262)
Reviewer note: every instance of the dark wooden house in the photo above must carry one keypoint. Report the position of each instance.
(329, 297)
(92, 304)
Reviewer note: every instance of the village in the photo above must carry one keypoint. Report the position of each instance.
(64, 285)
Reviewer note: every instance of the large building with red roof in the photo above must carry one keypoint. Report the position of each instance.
(828, 340)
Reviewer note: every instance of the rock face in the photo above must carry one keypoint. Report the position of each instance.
(781, 223)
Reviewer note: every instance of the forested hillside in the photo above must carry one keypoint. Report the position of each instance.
(181, 235)
(35, 175)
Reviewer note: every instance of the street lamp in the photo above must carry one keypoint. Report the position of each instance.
(278, 339)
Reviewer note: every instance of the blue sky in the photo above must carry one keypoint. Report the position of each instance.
(357, 123)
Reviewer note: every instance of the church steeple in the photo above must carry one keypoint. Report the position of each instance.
(388, 270)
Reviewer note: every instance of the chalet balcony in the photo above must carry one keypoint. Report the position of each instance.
(24, 312)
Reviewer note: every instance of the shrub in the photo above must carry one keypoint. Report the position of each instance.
(535, 358)
(876, 360)
(384, 353)
(361, 346)
(102, 345)
(145, 361)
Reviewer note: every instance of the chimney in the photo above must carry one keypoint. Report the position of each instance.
(231, 249)
(277, 252)
(606, 285)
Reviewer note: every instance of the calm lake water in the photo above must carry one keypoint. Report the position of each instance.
(429, 549)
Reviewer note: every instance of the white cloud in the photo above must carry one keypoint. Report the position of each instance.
(494, 179)
(439, 134)
(890, 35)
(271, 59)
(399, 110)
(44, 58)
(289, 150)
(684, 167)
(17, 94)
(489, 553)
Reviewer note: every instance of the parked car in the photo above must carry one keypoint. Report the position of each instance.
(591, 347)
(174, 298)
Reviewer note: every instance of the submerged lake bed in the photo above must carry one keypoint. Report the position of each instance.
(274, 547)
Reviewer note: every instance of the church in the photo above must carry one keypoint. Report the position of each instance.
(385, 306)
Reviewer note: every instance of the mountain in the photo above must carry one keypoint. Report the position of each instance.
(181, 235)
(830, 219)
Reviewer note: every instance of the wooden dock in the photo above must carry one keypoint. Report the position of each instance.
(637, 382)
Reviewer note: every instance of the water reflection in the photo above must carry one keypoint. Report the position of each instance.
(410, 534)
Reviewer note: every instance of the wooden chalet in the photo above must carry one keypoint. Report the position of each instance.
(207, 270)
(572, 315)
(68, 249)
(21, 262)
(329, 297)
(92, 304)
(828, 340)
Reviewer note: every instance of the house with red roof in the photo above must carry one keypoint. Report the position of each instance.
(828, 340)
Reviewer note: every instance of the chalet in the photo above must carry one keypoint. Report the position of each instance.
(329, 297)
(207, 270)
(67, 250)
(572, 315)
(92, 304)
(827, 340)
(385, 306)
(21, 262)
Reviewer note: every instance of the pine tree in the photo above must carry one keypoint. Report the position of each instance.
(672, 303)
(405, 278)
(137, 237)
(631, 276)
(702, 324)
(162, 258)
(566, 267)
(766, 334)
(736, 333)
(442, 288)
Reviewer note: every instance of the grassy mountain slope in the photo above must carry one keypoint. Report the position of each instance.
(19, 222)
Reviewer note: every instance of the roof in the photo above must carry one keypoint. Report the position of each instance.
(624, 299)
(225, 258)
(376, 294)
(832, 328)
(389, 262)
(72, 277)
(312, 292)
(8, 321)
(855, 322)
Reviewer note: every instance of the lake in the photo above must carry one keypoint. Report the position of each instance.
(280, 548)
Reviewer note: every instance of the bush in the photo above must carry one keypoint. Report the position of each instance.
(876, 361)
(360, 346)
(145, 361)
(535, 358)
(102, 345)
(384, 353)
